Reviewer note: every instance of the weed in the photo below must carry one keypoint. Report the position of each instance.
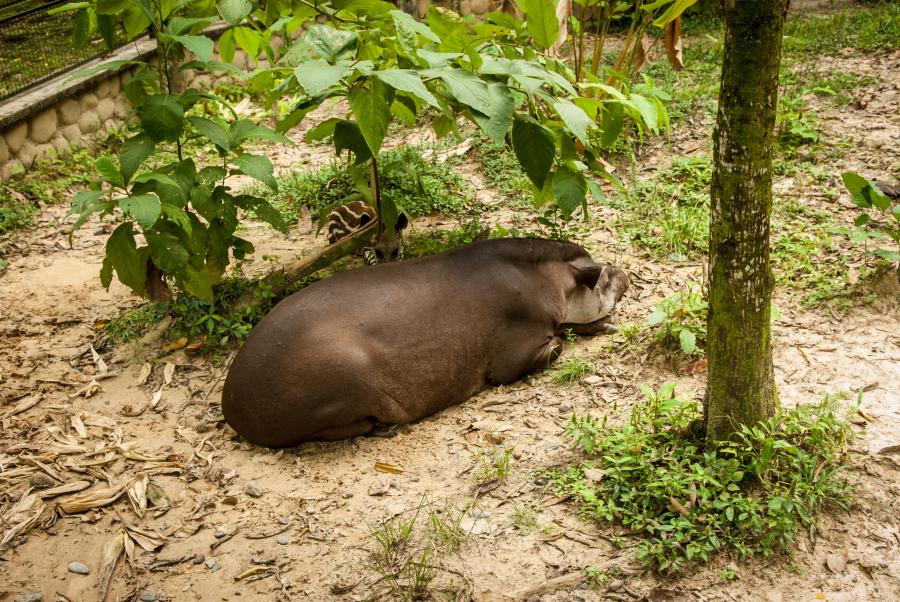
(438, 241)
(795, 568)
(572, 370)
(502, 171)
(875, 29)
(750, 495)
(727, 574)
(15, 210)
(134, 322)
(596, 577)
(445, 527)
(494, 464)
(867, 196)
(681, 320)
(524, 516)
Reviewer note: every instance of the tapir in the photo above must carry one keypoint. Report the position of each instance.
(392, 343)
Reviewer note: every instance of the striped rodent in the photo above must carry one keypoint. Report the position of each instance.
(346, 219)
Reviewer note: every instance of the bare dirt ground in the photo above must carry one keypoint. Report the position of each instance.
(304, 534)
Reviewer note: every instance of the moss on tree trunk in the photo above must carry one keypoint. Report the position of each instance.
(740, 384)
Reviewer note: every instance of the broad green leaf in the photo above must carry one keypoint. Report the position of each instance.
(442, 125)
(318, 75)
(372, 109)
(134, 151)
(570, 189)
(167, 252)
(263, 210)
(244, 129)
(688, 341)
(123, 256)
(300, 110)
(331, 44)
(647, 109)
(322, 130)
(226, 46)
(110, 66)
(655, 318)
(466, 87)
(403, 112)
(234, 11)
(179, 25)
(409, 81)
(106, 167)
(213, 131)
(197, 283)
(111, 7)
(534, 148)
(201, 46)
(256, 166)
(611, 123)
(162, 117)
(152, 176)
(575, 119)
(541, 21)
(596, 190)
(249, 40)
(347, 135)
(106, 25)
(438, 60)
(143, 208)
(86, 203)
(81, 33)
(497, 123)
(406, 20)
(888, 254)
(136, 21)
(673, 12)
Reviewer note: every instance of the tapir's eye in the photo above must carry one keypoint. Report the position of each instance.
(379, 255)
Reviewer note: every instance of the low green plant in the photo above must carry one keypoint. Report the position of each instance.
(524, 516)
(134, 322)
(873, 29)
(751, 495)
(727, 574)
(680, 320)
(494, 464)
(15, 211)
(869, 225)
(572, 370)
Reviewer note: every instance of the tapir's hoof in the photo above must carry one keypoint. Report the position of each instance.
(387, 431)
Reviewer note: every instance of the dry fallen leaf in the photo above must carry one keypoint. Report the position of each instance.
(78, 425)
(594, 474)
(672, 42)
(98, 361)
(156, 397)
(146, 369)
(22, 516)
(697, 367)
(92, 499)
(108, 559)
(137, 493)
(168, 372)
(837, 562)
(73, 487)
(175, 345)
(390, 468)
(24, 404)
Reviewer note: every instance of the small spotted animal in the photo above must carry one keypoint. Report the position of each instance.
(345, 219)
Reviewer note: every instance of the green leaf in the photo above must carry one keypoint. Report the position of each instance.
(372, 109)
(86, 203)
(611, 123)
(143, 208)
(442, 125)
(655, 318)
(540, 18)
(162, 117)
(888, 254)
(106, 167)
(213, 131)
(81, 33)
(249, 40)
(110, 66)
(179, 25)
(123, 256)
(596, 190)
(534, 148)
(322, 130)
(688, 341)
(152, 176)
(497, 123)
(112, 7)
(331, 44)
(167, 252)
(200, 46)
(647, 109)
(404, 111)
(134, 151)
(197, 283)
(226, 46)
(234, 11)
(409, 81)
(106, 25)
(570, 189)
(575, 119)
(466, 87)
(673, 12)
(347, 135)
(406, 20)
(438, 60)
(136, 21)
(258, 167)
(319, 75)
(244, 129)
(263, 210)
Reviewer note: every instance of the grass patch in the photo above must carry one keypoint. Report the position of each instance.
(134, 322)
(875, 29)
(750, 496)
(503, 173)
(572, 370)
(494, 464)
(680, 320)
(420, 186)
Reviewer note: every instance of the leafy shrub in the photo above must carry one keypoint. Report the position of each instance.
(681, 318)
(751, 495)
(866, 195)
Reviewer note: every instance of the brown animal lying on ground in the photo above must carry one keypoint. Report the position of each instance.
(393, 343)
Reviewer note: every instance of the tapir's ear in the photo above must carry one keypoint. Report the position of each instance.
(585, 271)
(364, 219)
(402, 222)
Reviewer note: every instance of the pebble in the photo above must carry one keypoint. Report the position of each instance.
(540, 481)
(198, 559)
(593, 380)
(220, 532)
(79, 568)
(148, 597)
(565, 407)
(346, 495)
(254, 489)
(283, 540)
(29, 597)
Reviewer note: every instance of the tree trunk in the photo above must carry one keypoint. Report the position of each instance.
(740, 384)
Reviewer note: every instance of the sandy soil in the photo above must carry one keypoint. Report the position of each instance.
(307, 532)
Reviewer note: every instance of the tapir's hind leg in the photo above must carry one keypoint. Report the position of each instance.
(346, 431)
(529, 360)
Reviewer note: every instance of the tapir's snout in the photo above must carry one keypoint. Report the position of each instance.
(617, 282)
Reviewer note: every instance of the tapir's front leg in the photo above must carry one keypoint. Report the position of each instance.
(605, 325)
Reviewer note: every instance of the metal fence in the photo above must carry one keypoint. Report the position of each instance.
(36, 46)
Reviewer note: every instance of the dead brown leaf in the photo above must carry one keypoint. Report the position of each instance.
(672, 42)
(837, 562)
(175, 345)
(112, 551)
(389, 468)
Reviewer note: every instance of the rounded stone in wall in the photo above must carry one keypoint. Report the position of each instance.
(60, 144)
(240, 59)
(106, 108)
(4, 151)
(479, 7)
(88, 122)
(69, 111)
(202, 81)
(102, 89)
(465, 8)
(114, 85)
(27, 153)
(9, 169)
(71, 133)
(16, 137)
(43, 126)
(123, 107)
(88, 102)
(126, 76)
(44, 152)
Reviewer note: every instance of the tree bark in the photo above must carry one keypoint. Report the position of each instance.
(740, 382)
